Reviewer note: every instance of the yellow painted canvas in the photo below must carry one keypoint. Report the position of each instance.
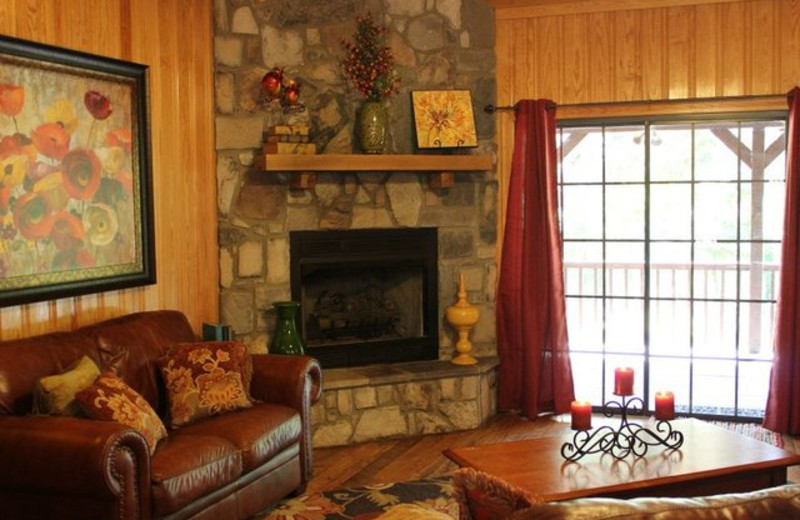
(444, 119)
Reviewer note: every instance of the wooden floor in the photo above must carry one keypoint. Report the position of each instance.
(421, 457)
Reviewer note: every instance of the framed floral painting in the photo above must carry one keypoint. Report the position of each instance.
(444, 119)
(75, 183)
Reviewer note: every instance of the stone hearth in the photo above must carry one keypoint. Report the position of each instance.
(384, 401)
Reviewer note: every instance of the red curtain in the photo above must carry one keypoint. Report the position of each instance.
(535, 373)
(783, 402)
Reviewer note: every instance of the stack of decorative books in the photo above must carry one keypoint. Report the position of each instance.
(291, 140)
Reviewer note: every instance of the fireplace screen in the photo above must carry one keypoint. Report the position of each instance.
(367, 296)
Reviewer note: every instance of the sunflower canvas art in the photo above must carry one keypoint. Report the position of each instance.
(444, 119)
(74, 173)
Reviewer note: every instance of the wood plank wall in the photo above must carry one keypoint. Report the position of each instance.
(601, 51)
(175, 38)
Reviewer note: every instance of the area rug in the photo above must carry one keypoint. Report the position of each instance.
(753, 430)
(366, 503)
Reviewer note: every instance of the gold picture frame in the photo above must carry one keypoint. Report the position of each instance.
(444, 119)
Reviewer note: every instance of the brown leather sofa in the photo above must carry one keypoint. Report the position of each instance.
(224, 467)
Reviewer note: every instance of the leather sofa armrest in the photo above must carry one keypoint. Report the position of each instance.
(286, 380)
(53, 456)
(293, 381)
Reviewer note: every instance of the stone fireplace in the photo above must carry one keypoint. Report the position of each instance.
(438, 45)
(367, 296)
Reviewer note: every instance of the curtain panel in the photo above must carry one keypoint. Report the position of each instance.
(783, 402)
(535, 374)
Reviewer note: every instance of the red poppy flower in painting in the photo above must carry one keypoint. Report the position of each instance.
(120, 137)
(32, 217)
(97, 104)
(51, 140)
(67, 232)
(81, 171)
(17, 144)
(70, 259)
(12, 97)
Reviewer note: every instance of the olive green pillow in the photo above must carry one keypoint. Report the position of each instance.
(55, 395)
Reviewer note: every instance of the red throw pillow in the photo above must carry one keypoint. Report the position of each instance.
(204, 379)
(110, 399)
(482, 496)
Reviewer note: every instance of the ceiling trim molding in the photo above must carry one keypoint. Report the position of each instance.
(517, 9)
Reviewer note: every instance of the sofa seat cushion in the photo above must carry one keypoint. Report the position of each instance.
(260, 432)
(186, 467)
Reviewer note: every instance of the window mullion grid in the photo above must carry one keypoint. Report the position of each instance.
(646, 288)
(738, 308)
(692, 253)
(603, 259)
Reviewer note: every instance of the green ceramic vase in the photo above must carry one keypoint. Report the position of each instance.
(371, 127)
(287, 340)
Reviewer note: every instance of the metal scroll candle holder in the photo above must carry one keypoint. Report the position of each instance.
(628, 438)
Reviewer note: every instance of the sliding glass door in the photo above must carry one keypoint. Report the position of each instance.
(671, 235)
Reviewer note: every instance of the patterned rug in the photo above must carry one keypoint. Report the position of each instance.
(367, 503)
(753, 430)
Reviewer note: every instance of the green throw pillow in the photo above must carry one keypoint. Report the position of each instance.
(55, 395)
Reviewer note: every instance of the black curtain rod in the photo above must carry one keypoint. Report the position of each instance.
(491, 109)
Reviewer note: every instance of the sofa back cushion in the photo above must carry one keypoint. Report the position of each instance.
(24, 361)
(768, 504)
(142, 339)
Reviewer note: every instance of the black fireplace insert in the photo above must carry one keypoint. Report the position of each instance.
(367, 296)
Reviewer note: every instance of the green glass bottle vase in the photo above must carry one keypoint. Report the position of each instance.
(287, 340)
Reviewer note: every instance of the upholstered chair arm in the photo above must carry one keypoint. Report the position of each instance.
(294, 381)
(50, 462)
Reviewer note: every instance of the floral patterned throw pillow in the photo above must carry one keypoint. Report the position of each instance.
(110, 399)
(482, 496)
(204, 379)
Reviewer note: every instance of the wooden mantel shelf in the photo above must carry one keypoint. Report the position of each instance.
(442, 167)
(360, 163)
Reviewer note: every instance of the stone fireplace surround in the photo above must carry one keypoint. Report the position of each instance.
(439, 45)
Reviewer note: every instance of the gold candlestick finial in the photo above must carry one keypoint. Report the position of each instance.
(462, 316)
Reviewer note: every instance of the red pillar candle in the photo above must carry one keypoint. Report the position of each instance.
(665, 406)
(581, 415)
(623, 381)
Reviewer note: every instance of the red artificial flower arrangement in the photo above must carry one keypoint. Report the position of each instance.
(369, 63)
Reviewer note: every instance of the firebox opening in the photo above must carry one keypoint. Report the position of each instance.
(367, 296)
(348, 304)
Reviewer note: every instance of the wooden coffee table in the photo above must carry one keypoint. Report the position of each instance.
(712, 460)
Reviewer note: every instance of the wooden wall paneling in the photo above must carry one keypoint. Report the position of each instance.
(734, 45)
(706, 52)
(549, 60)
(526, 77)
(601, 56)
(654, 55)
(679, 44)
(763, 48)
(574, 71)
(172, 234)
(789, 37)
(175, 39)
(504, 128)
(628, 55)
